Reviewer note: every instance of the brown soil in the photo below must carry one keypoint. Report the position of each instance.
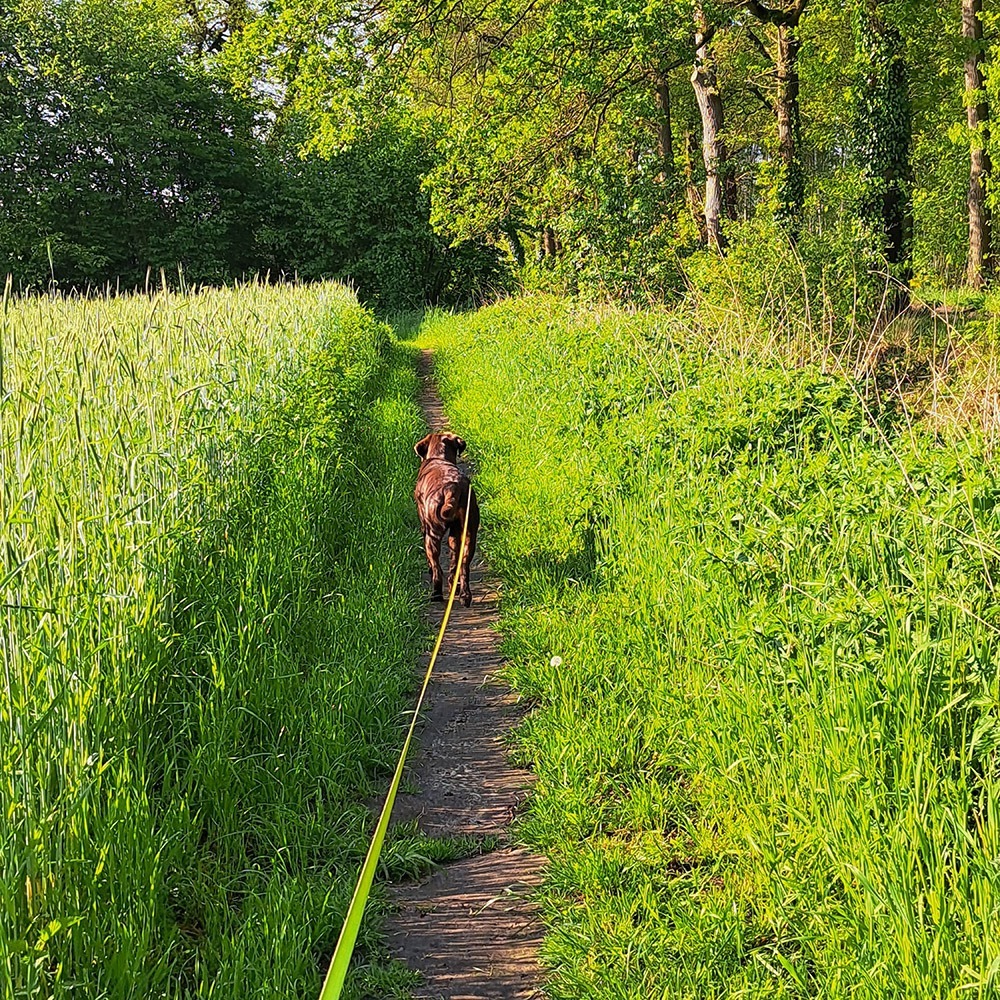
(470, 928)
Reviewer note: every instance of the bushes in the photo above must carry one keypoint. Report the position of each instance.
(361, 216)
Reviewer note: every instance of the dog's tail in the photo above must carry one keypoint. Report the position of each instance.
(451, 502)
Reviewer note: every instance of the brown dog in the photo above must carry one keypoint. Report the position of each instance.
(442, 493)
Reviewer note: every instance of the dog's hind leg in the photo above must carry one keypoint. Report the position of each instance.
(454, 538)
(463, 583)
(432, 549)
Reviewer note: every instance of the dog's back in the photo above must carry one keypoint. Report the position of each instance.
(445, 502)
(441, 492)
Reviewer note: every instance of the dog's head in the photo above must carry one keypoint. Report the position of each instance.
(447, 446)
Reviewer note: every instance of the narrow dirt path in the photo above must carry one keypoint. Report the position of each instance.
(469, 928)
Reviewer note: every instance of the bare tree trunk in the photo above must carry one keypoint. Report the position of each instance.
(691, 193)
(664, 127)
(550, 243)
(713, 147)
(978, 116)
(791, 190)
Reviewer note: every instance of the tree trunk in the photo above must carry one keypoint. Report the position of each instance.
(978, 116)
(691, 193)
(883, 126)
(791, 183)
(664, 127)
(713, 147)
(791, 176)
(509, 230)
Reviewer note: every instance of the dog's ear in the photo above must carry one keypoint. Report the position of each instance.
(459, 444)
(421, 446)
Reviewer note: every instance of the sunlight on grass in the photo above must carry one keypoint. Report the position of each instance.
(209, 613)
(755, 602)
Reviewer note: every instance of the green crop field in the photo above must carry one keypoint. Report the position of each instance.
(756, 610)
(209, 612)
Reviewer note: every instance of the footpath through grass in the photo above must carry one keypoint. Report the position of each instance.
(209, 613)
(758, 615)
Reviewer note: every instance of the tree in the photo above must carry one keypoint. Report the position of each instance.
(883, 139)
(791, 179)
(718, 183)
(978, 116)
(557, 116)
(664, 126)
(121, 157)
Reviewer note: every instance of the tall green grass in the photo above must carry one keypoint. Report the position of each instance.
(756, 608)
(208, 618)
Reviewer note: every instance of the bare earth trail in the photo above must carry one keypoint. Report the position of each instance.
(469, 928)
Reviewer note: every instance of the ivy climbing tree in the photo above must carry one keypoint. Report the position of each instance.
(883, 138)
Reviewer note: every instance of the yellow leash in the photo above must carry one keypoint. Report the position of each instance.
(334, 982)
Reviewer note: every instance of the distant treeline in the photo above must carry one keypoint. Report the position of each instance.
(614, 142)
(422, 149)
(126, 150)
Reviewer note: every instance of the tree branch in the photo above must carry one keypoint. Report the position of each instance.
(760, 95)
(759, 45)
(776, 16)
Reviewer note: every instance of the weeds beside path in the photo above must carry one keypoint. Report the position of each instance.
(470, 928)
(755, 608)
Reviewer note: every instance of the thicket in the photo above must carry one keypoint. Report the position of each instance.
(755, 606)
(127, 149)
(209, 611)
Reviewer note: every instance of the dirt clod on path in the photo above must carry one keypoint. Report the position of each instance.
(469, 928)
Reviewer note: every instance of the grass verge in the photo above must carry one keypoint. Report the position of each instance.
(755, 603)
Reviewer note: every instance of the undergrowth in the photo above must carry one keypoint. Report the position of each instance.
(209, 612)
(754, 600)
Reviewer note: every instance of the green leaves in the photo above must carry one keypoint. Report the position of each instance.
(132, 160)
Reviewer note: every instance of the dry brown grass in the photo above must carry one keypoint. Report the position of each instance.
(941, 364)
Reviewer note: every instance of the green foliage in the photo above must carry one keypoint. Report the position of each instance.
(940, 152)
(757, 615)
(822, 281)
(421, 152)
(115, 157)
(121, 154)
(361, 215)
(610, 246)
(551, 123)
(210, 612)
